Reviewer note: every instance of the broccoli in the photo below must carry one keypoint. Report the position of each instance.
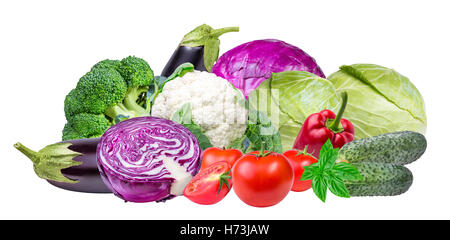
(85, 125)
(111, 92)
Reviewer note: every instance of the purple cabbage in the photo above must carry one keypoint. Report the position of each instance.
(148, 159)
(249, 64)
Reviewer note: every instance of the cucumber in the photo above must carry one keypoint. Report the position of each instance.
(380, 179)
(399, 148)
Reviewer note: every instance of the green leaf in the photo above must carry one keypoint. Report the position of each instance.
(346, 171)
(324, 154)
(337, 186)
(183, 116)
(309, 172)
(289, 97)
(180, 71)
(120, 118)
(327, 174)
(259, 130)
(202, 139)
(319, 186)
(307, 175)
(160, 81)
(50, 160)
(328, 155)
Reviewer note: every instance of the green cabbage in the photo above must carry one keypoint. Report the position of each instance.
(380, 100)
(288, 98)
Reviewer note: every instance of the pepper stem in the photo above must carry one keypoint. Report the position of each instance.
(34, 156)
(334, 126)
(305, 150)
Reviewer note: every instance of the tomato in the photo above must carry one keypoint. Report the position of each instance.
(210, 185)
(213, 154)
(262, 181)
(299, 160)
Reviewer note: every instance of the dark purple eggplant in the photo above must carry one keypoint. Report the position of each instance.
(199, 47)
(184, 54)
(70, 165)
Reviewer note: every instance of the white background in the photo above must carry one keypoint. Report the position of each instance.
(46, 46)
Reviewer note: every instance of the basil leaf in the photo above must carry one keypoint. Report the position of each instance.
(346, 171)
(319, 186)
(325, 154)
(332, 158)
(337, 186)
(327, 174)
(308, 173)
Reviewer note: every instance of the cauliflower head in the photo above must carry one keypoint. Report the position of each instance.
(217, 107)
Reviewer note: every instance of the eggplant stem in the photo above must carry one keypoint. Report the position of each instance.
(218, 32)
(32, 155)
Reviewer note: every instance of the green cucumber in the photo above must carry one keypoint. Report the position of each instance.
(399, 148)
(380, 179)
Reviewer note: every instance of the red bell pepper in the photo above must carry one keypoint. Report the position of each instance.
(319, 127)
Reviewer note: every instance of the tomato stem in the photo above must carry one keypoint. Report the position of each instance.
(262, 152)
(224, 179)
(305, 152)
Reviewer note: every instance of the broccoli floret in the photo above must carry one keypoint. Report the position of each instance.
(100, 89)
(69, 133)
(85, 125)
(89, 125)
(138, 75)
(107, 63)
(72, 104)
(135, 71)
(111, 92)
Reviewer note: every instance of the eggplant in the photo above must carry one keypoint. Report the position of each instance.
(184, 54)
(199, 47)
(70, 165)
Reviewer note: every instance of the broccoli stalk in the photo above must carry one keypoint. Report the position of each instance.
(129, 108)
(131, 100)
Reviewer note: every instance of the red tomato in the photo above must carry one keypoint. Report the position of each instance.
(298, 161)
(210, 185)
(213, 155)
(262, 181)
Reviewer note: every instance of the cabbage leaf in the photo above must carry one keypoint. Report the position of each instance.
(380, 100)
(288, 98)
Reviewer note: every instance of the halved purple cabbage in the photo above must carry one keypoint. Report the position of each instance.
(249, 64)
(148, 159)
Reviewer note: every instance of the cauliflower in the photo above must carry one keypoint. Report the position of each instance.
(217, 107)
